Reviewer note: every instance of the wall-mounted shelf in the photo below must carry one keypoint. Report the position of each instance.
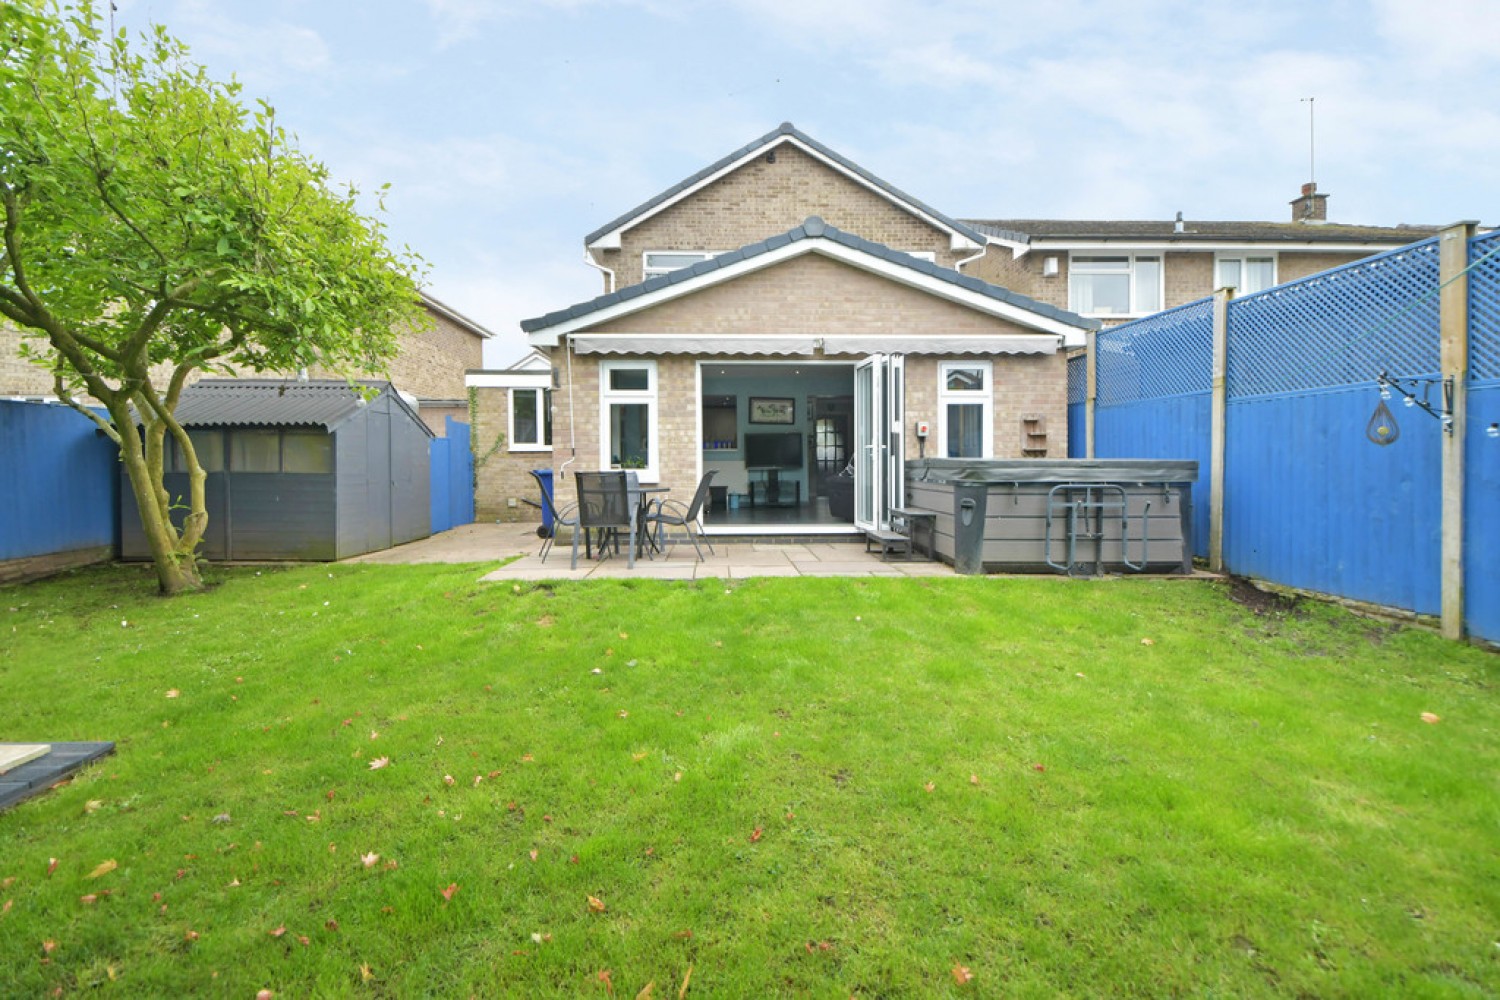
(1033, 436)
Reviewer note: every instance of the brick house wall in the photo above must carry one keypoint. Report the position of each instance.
(810, 294)
(502, 480)
(762, 199)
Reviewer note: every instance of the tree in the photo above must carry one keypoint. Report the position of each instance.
(154, 229)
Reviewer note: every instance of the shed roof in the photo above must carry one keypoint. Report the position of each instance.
(322, 403)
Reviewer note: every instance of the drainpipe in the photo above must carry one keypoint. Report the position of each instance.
(959, 265)
(608, 273)
(572, 417)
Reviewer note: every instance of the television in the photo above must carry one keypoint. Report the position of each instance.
(773, 451)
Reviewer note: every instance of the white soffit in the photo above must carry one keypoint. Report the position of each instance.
(811, 345)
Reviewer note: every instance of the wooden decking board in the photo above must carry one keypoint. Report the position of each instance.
(36, 776)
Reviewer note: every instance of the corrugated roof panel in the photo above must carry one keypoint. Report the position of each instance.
(268, 403)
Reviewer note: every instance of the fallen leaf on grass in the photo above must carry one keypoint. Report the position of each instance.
(88, 900)
(603, 977)
(638, 757)
(685, 980)
(278, 932)
(7, 882)
(5, 907)
(928, 787)
(973, 779)
(533, 854)
(755, 837)
(303, 940)
(93, 805)
(48, 947)
(596, 905)
(264, 995)
(173, 693)
(379, 762)
(51, 866)
(683, 935)
(366, 973)
(448, 780)
(1431, 719)
(962, 974)
(645, 993)
(331, 924)
(369, 859)
(1038, 767)
(1148, 642)
(190, 936)
(449, 892)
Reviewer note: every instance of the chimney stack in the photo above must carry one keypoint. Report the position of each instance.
(1311, 207)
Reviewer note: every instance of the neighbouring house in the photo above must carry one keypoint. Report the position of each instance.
(1119, 271)
(297, 470)
(792, 322)
(428, 369)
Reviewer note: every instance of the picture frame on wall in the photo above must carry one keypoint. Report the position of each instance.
(772, 410)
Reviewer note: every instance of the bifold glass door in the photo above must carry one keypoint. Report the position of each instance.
(879, 440)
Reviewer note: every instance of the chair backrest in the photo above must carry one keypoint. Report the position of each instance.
(700, 496)
(603, 500)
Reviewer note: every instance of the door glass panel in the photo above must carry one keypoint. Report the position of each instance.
(965, 430)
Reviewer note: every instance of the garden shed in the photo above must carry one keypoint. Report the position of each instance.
(314, 470)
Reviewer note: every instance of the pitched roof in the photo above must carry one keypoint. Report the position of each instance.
(812, 230)
(453, 315)
(785, 132)
(322, 403)
(1197, 231)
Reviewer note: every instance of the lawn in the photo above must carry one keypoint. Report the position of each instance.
(793, 787)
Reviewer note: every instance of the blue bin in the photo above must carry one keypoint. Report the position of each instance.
(545, 475)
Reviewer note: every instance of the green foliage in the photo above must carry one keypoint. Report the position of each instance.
(1251, 805)
(154, 228)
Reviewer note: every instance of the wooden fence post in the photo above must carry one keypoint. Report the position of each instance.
(1216, 434)
(1453, 330)
(1091, 368)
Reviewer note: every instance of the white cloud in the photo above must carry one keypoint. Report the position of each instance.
(1449, 37)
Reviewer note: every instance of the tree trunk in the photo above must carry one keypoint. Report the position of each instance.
(176, 569)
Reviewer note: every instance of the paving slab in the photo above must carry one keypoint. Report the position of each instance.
(13, 755)
(740, 572)
(38, 775)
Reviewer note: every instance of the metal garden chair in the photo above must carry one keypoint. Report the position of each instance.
(673, 513)
(605, 506)
(560, 518)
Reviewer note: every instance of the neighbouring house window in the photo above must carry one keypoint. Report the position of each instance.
(1120, 285)
(627, 411)
(658, 262)
(306, 451)
(1244, 274)
(255, 451)
(965, 406)
(530, 419)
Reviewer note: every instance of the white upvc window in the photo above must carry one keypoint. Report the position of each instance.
(1115, 284)
(1245, 273)
(655, 263)
(531, 419)
(966, 399)
(628, 436)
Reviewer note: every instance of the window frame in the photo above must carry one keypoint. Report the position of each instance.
(1075, 270)
(648, 272)
(1243, 258)
(984, 397)
(544, 419)
(649, 397)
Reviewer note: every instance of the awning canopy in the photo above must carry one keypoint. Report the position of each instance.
(807, 346)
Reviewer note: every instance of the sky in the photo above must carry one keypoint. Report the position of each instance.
(509, 129)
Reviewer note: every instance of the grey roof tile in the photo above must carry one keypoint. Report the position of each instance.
(781, 132)
(1027, 230)
(812, 228)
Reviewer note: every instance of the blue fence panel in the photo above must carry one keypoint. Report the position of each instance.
(452, 477)
(1174, 428)
(1077, 432)
(1310, 502)
(63, 481)
(1481, 525)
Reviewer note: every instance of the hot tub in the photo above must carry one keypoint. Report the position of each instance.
(1077, 516)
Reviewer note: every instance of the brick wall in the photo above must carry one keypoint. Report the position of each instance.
(810, 294)
(1024, 386)
(763, 199)
(502, 476)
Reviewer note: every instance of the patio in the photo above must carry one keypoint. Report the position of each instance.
(730, 561)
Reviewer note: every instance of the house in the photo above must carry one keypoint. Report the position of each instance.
(1118, 271)
(779, 317)
(784, 315)
(428, 369)
(297, 470)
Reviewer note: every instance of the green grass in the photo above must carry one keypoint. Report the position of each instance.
(996, 774)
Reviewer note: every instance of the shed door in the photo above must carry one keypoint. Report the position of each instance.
(378, 480)
(879, 442)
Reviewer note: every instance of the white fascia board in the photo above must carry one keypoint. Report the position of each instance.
(611, 239)
(1219, 246)
(507, 380)
(901, 273)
